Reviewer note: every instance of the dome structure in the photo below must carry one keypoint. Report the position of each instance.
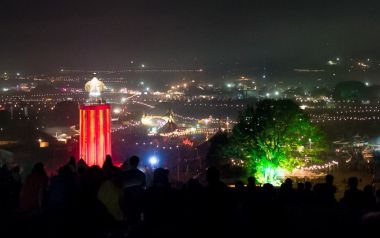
(94, 87)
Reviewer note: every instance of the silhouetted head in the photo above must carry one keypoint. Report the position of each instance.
(268, 189)
(109, 158)
(239, 185)
(251, 182)
(212, 175)
(329, 179)
(72, 160)
(108, 162)
(161, 177)
(134, 161)
(353, 182)
(82, 163)
(38, 168)
(288, 183)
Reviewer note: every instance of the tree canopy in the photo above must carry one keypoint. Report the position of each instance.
(274, 137)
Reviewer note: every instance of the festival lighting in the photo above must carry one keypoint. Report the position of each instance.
(153, 160)
(271, 153)
(117, 110)
(95, 126)
(95, 135)
(94, 87)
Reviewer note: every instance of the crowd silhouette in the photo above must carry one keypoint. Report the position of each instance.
(89, 201)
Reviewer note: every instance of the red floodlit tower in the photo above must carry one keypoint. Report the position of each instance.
(95, 126)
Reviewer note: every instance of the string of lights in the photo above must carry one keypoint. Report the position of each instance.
(321, 166)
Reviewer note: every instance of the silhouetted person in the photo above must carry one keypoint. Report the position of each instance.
(218, 200)
(161, 178)
(72, 163)
(287, 192)
(5, 189)
(193, 208)
(15, 173)
(251, 183)
(300, 192)
(369, 199)
(239, 185)
(93, 216)
(326, 192)
(133, 183)
(15, 186)
(132, 177)
(252, 191)
(213, 180)
(63, 199)
(161, 203)
(107, 162)
(81, 167)
(308, 193)
(64, 188)
(33, 192)
(110, 169)
(353, 197)
(91, 181)
(239, 193)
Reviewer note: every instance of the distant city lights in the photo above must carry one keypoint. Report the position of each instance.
(117, 110)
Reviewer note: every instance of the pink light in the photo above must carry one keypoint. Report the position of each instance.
(95, 133)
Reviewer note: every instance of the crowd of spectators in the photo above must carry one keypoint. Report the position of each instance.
(83, 201)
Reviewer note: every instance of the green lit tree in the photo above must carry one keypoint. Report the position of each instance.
(274, 137)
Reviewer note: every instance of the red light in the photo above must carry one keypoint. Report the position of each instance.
(95, 133)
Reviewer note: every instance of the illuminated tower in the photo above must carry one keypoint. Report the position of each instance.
(95, 125)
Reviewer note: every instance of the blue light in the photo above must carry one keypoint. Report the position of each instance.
(153, 160)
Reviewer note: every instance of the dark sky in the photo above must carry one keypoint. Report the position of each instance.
(49, 34)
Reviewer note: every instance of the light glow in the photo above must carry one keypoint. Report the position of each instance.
(95, 137)
(153, 160)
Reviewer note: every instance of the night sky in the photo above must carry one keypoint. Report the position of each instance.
(50, 34)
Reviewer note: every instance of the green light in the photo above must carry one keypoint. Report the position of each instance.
(274, 138)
